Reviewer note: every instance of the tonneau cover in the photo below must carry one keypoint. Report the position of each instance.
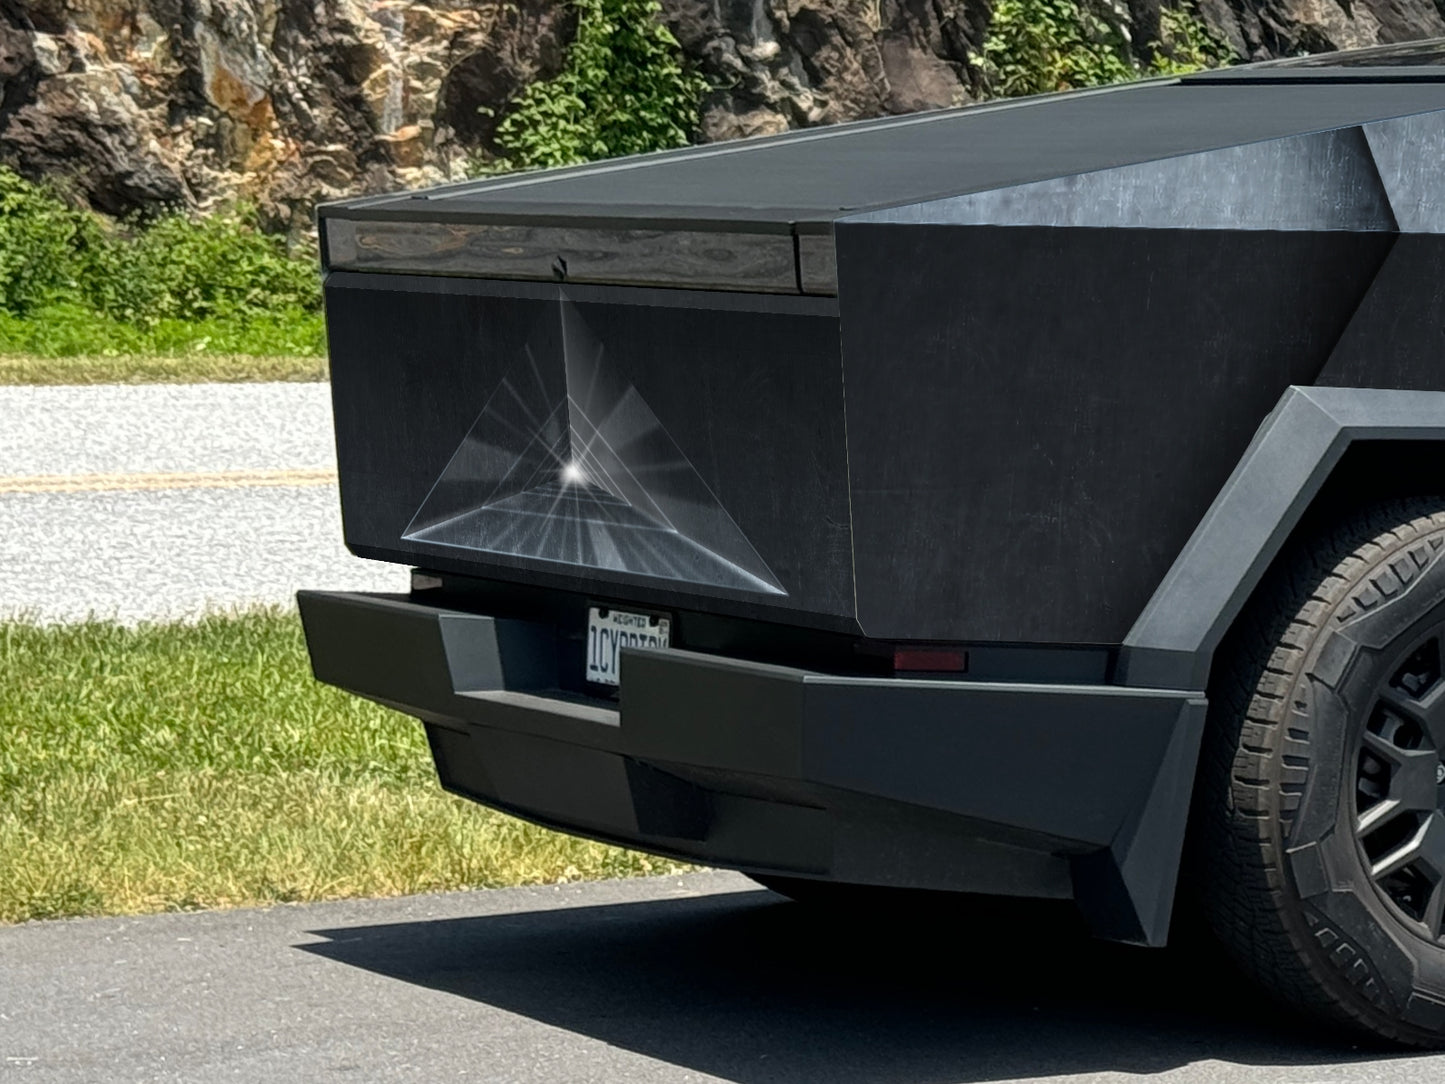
(759, 214)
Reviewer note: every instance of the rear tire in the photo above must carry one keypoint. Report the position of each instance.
(1317, 844)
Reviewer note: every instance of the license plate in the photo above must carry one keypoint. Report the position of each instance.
(609, 631)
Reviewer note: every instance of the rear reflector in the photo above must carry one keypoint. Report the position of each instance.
(930, 660)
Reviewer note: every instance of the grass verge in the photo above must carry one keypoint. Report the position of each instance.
(69, 330)
(172, 767)
(157, 369)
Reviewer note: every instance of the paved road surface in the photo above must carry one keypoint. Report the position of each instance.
(656, 982)
(162, 501)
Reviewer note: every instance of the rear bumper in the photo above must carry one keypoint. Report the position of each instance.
(1047, 790)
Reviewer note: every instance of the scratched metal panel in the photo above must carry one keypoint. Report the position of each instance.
(1038, 417)
(1321, 181)
(1396, 337)
(1409, 152)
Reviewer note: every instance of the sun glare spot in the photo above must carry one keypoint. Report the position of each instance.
(573, 474)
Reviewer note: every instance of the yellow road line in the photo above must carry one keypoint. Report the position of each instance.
(123, 483)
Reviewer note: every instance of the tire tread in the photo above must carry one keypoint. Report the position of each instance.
(1250, 787)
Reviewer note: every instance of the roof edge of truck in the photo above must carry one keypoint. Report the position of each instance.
(531, 178)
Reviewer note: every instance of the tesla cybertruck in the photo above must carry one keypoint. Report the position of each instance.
(1038, 499)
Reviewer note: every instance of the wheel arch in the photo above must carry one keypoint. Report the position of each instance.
(1319, 450)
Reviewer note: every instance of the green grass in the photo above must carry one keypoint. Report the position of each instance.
(75, 284)
(66, 329)
(174, 767)
(157, 369)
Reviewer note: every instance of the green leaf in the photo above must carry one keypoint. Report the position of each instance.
(625, 90)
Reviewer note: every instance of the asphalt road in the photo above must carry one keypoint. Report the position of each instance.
(165, 501)
(672, 980)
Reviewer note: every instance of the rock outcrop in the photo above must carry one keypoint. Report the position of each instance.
(1259, 30)
(138, 104)
(142, 103)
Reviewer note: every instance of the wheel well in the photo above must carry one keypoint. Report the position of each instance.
(1375, 470)
(1369, 472)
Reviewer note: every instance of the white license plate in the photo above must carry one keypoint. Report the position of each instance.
(609, 631)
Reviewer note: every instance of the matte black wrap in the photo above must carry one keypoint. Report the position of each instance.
(1038, 389)
(1058, 325)
(720, 416)
(1039, 790)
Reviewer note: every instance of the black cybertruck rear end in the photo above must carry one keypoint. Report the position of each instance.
(924, 444)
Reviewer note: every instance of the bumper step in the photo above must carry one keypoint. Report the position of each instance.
(1017, 789)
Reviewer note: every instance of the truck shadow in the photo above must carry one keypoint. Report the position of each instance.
(749, 988)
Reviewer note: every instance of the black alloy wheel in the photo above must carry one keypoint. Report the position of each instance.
(1400, 787)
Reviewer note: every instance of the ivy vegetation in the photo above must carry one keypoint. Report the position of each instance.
(625, 89)
(73, 282)
(1043, 46)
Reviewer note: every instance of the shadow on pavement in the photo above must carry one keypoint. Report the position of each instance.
(749, 988)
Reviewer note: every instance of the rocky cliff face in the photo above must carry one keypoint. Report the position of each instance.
(1260, 29)
(141, 103)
